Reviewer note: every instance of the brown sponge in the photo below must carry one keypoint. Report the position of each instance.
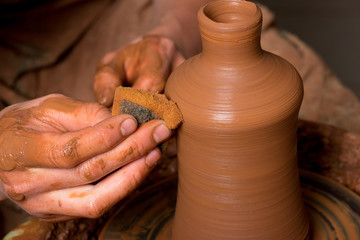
(145, 106)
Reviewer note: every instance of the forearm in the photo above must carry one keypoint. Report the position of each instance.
(177, 20)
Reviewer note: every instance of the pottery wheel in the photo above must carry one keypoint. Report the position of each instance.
(333, 209)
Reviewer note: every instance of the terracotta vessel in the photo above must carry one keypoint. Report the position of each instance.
(238, 174)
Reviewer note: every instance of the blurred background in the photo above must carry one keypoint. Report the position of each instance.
(330, 27)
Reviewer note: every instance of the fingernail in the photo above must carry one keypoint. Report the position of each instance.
(152, 158)
(161, 133)
(105, 97)
(128, 126)
(100, 97)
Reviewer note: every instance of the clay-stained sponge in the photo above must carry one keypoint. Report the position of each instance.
(144, 106)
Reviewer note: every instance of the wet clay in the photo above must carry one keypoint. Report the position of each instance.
(238, 174)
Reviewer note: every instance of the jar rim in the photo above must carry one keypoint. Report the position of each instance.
(230, 15)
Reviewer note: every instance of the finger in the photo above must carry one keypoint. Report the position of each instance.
(33, 149)
(146, 138)
(28, 104)
(107, 78)
(37, 180)
(91, 201)
(66, 114)
(152, 81)
(160, 57)
(154, 68)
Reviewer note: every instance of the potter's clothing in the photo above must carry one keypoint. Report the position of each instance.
(34, 34)
(54, 48)
(37, 34)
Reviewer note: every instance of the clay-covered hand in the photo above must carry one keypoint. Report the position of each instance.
(145, 64)
(61, 158)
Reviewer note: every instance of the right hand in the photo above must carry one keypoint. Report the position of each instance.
(145, 64)
(53, 150)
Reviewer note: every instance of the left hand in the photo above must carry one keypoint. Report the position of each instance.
(145, 64)
(61, 158)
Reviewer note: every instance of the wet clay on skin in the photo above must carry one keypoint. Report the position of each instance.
(22, 117)
(238, 174)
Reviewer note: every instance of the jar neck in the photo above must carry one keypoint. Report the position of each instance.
(230, 30)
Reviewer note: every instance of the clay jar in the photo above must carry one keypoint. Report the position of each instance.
(238, 175)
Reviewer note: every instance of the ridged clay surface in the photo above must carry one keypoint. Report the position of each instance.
(238, 174)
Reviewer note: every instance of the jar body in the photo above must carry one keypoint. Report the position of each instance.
(237, 151)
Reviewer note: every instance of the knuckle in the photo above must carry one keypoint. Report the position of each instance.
(109, 68)
(135, 150)
(96, 208)
(69, 152)
(62, 157)
(104, 139)
(15, 184)
(14, 193)
(69, 149)
(87, 172)
(135, 179)
(95, 109)
(18, 189)
(53, 156)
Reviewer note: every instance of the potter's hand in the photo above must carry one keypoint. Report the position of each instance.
(53, 149)
(145, 64)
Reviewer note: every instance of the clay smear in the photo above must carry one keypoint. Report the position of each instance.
(238, 175)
